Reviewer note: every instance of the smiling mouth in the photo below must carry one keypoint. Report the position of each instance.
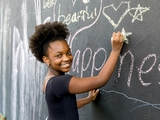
(66, 65)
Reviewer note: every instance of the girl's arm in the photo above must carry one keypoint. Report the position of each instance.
(80, 85)
(91, 97)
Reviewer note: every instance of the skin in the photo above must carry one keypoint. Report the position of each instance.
(59, 61)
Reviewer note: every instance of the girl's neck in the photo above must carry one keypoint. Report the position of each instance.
(52, 72)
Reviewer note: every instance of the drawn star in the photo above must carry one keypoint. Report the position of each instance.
(125, 35)
(138, 15)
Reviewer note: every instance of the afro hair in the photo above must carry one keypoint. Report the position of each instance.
(43, 35)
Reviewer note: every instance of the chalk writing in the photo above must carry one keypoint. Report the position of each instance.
(77, 57)
(14, 77)
(6, 33)
(20, 52)
(94, 57)
(86, 27)
(159, 67)
(86, 15)
(159, 70)
(73, 2)
(131, 66)
(47, 20)
(46, 118)
(115, 25)
(48, 4)
(137, 15)
(140, 71)
(143, 103)
(125, 35)
(86, 1)
(23, 73)
(38, 11)
(77, 16)
(83, 57)
(138, 12)
(76, 62)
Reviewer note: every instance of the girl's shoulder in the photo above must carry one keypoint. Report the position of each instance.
(46, 79)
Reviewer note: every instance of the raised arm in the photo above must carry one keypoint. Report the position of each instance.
(80, 85)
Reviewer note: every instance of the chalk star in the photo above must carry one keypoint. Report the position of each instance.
(125, 35)
(138, 12)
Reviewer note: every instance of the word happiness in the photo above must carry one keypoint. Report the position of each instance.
(92, 60)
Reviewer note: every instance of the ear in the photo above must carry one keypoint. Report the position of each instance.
(45, 60)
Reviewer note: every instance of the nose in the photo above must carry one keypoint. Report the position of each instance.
(66, 58)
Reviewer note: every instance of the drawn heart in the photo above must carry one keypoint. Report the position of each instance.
(115, 25)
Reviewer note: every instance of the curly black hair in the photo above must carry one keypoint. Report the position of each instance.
(44, 34)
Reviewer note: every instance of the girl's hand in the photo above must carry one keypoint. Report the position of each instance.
(117, 41)
(91, 97)
(93, 94)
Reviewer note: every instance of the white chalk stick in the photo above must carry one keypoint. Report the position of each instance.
(125, 35)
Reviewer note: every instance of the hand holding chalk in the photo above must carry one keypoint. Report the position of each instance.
(125, 35)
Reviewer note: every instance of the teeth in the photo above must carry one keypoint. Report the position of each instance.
(66, 65)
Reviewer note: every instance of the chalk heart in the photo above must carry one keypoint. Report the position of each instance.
(115, 25)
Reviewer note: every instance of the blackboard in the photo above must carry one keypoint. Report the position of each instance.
(133, 90)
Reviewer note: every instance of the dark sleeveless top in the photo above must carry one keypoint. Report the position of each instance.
(61, 104)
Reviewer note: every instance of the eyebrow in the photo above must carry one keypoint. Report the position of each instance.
(61, 51)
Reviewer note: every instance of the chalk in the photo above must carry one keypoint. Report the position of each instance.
(125, 35)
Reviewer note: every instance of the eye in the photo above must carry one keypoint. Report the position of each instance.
(69, 53)
(59, 55)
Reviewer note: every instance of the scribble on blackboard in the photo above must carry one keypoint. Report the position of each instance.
(138, 12)
(131, 66)
(38, 11)
(73, 2)
(135, 12)
(86, 27)
(115, 25)
(143, 103)
(48, 3)
(75, 64)
(140, 71)
(23, 66)
(86, 1)
(159, 70)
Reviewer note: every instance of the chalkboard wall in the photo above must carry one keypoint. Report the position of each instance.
(133, 90)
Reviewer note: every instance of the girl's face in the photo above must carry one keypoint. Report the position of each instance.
(59, 56)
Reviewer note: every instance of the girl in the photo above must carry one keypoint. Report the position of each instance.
(48, 44)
